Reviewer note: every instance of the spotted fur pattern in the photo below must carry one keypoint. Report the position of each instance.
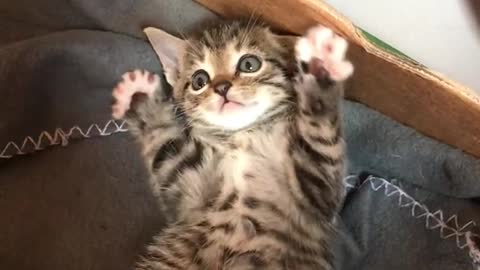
(262, 194)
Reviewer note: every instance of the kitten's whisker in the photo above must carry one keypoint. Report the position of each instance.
(195, 48)
(247, 31)
(252, 21)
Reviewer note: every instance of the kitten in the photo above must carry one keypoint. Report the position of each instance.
(245, 156)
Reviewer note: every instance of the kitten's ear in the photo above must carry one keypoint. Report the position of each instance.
(288, 42)
(168, 48)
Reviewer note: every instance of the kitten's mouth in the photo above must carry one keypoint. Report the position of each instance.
(232, 114)
(229, 105)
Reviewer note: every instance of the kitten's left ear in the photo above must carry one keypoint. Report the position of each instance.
(168, 49)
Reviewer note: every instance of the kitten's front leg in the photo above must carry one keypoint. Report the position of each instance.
(141, 100)
(318, 150)
(167, 147)
(323, 68)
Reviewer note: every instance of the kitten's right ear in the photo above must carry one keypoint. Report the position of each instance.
(168, 49)
(288, 42)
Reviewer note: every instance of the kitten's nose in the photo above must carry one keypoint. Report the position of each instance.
(222, 87)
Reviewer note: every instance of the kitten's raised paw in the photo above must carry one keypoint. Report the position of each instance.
(322, 53)
(138, 81)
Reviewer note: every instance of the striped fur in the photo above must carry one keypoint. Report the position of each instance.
(261, 196)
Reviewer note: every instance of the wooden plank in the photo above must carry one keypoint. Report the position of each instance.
(397, 87)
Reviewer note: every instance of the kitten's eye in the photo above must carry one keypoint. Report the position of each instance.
(199, 79)
(249, 63)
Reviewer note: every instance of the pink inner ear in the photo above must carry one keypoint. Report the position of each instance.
(168, 49)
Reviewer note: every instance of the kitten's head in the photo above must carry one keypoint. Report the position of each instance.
(232, 76)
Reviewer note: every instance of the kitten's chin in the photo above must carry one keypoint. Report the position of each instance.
(234, 116)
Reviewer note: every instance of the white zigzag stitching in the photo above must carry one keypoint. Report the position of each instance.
(60, 136)
(448, 229)
(432, 220)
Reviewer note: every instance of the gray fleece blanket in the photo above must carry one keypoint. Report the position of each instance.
(73, 190)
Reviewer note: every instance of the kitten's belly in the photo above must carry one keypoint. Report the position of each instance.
(238, 168)
(259, 167)
(252, 178)
(252, 174)
(261, 215)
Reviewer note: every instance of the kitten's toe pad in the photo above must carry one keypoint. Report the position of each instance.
(138, 81)
(324, 51)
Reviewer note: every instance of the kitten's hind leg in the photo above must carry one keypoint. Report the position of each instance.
(318, 148)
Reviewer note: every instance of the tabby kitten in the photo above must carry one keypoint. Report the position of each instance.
(246, 156)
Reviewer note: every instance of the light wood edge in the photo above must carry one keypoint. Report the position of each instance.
(316, 11)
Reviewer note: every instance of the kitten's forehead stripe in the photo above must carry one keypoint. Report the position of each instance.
(229, 38)
(208, 64)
